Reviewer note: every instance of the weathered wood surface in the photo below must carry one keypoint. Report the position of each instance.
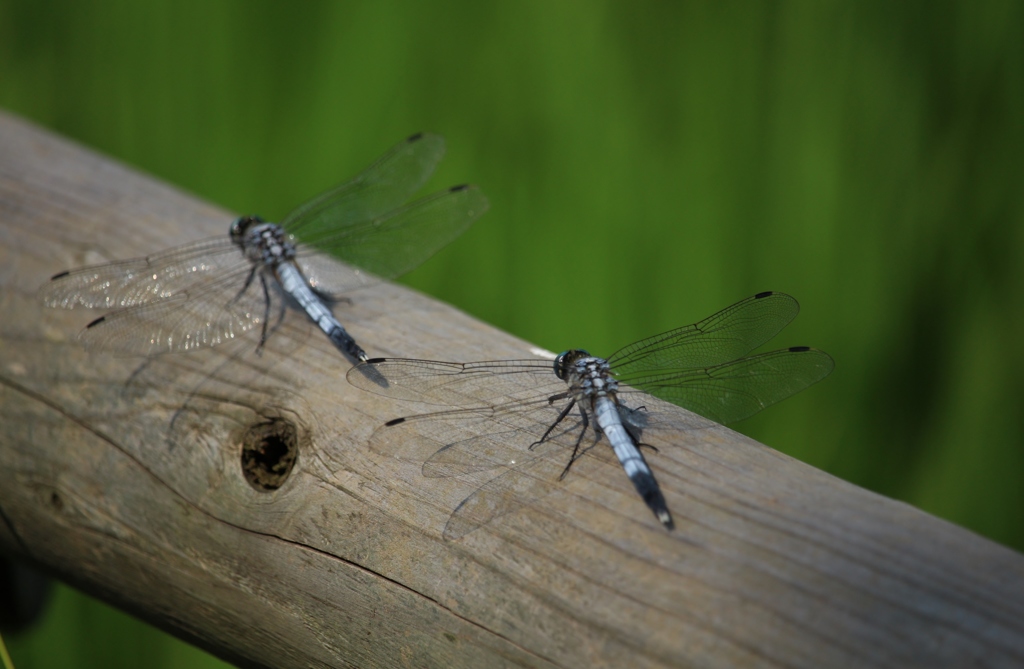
(124, 477)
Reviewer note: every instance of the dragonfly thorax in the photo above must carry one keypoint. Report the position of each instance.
(262, 242)
(587, 376)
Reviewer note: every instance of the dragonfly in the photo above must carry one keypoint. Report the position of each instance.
(518, 415)
(215, 290)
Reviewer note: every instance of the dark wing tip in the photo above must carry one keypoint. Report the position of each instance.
(59, 275)
(799, 349)
(394, 421)
(374, 361)
(96, 322)
(414, 137)
(767, 293)
(456, 189)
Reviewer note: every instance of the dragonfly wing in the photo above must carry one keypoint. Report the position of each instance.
(469, 441)
(398, 241)
(645, 415)
(739, 389)
(206, 315)
(416, 438)
(331, 278)
(526, 483)
(727, 335)
(383, 186)
(510, 439)
(484, 385)
(529, 471)
(139, 281)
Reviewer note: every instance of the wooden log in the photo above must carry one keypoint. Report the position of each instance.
(126, 478)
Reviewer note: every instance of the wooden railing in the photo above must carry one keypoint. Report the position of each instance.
(125, 477)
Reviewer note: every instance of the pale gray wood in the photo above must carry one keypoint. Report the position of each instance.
(124, 478)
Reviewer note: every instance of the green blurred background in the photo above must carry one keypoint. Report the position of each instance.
(649, 163)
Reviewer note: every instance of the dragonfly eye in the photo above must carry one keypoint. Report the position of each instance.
(243, 223)
(565, 360)
(559, 365)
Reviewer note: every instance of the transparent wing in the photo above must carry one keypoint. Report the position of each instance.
(735, 390)
(204, 315)
(465, 442)
(475, 387)
(505, 407)
(143, 280)
(385, 185)
(330, 277)
(640, 412)
(524, 480)
(396, 242)
(727, 335)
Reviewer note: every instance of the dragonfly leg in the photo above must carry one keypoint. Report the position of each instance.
(576, 449)
(559, 396)
(245, 286)
(266, 314)
(634, 430)
(331, 298)
(280, 315)
(561, 417)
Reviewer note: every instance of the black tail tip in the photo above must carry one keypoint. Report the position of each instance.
(655, 501)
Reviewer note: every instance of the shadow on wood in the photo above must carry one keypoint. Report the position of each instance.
(163, 486)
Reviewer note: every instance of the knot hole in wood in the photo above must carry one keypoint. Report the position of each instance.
(269, 451)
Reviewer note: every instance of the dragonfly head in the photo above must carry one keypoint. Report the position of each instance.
(565, 359)
(241, 225)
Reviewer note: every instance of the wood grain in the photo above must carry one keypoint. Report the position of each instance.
(124, 477)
